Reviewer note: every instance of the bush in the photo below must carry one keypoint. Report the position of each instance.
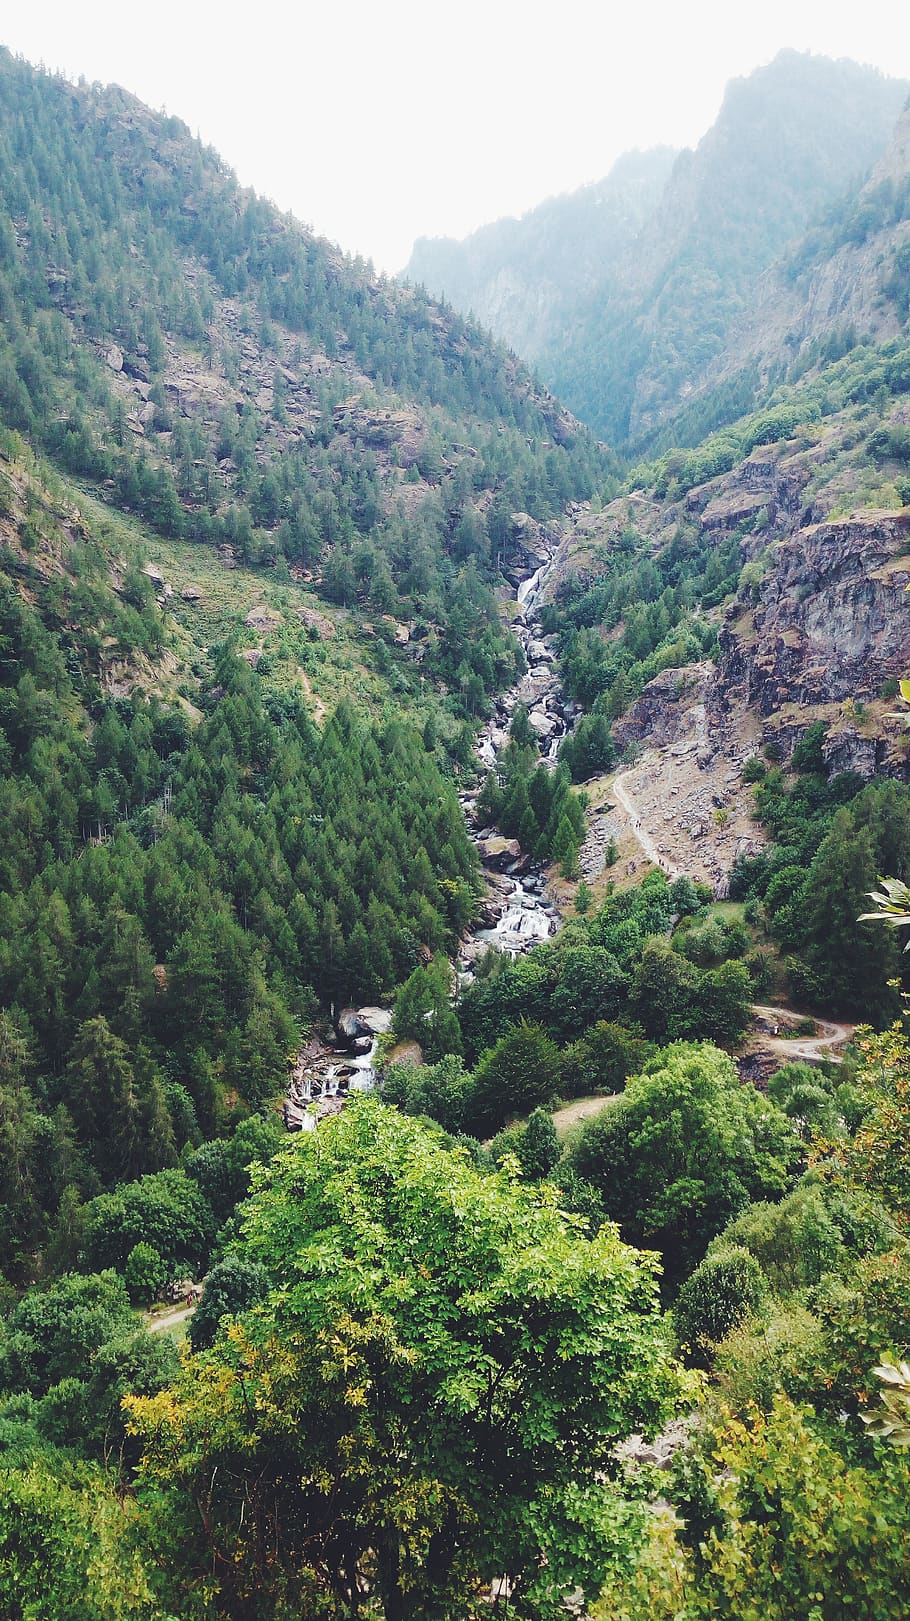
(603, 1059)
(800, 1530)
(166, 1210)
(538, 1150)
(519, 1074)
(144, 1274)
(231, 1288)
(807, 754)
(55, 1333)
(722, 1292)
(442, 1092)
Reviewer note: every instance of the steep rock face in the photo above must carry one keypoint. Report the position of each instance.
(669, 707)
(832, 620)
(522, 277)
(788, 141)
(851, 278)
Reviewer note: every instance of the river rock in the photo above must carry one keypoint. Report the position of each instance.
(519, 866)
(539, 653)
(544, 725)
(348, 1024)
(499, 851)
(375, 1020)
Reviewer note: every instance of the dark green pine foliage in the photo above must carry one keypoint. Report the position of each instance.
(175, 904)
(654, 605)
(124, 240)
(831, 842)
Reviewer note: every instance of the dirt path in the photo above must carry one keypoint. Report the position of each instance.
(801, 1048)
(581, 1109)
(644, 839)
(170, 1319)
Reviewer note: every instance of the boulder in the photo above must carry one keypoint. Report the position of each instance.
(262, 619)
(544, 725)
(375, 1020)
(347, 1024)
(499, 851)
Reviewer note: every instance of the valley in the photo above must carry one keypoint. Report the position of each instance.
(438, 833)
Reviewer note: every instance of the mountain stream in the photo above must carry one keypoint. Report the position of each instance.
(516, 913)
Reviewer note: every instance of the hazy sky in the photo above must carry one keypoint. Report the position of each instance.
(380, 122)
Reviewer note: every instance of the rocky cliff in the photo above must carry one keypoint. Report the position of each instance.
(848, 280)
(831, 622)
(819, 628)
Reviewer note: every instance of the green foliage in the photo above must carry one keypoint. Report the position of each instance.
(166, 1211)
(67, 1549)
(837, 1550)
(231, 1288)
(725, 1288)
(439, 1361)
(538, 1150)
(816, 1231)
(54, 1333)
(890, 1419)
(807, 753)
(222, 1168)
(157, 972)
(684, 1149)
(443, 1091)
(831, 840)
(424, 1013)
(650, 600)
(783, 1348)
(144, 1273)
(519, 1074)
(603, 1059)
(535, 806)
(589, 749)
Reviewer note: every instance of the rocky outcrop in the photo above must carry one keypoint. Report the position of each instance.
(846, 749)
(381, 429)
(671, 706)
(832, 620)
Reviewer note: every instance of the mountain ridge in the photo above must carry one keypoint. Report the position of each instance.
(628, 353)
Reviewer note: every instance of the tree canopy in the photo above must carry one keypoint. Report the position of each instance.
(427, 1401)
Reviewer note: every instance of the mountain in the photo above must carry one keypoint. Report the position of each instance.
(249, 498)
(263, 516)
(234, 380)
(522, 278)
(846, 282)
(791, 141)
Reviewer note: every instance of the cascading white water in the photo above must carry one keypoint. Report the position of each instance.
(530, 587)
(526, 918)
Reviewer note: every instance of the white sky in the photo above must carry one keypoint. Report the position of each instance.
(380, 122)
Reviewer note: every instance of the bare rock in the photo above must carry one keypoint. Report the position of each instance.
(316, 622)
(375, 1021)
(262, 619)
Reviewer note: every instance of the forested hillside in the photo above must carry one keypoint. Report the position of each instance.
(525, 278)
(205, 847)
(627, 344)
(568, 1312)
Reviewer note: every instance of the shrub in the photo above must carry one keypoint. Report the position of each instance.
(725, 1289)
(231, 1288)
(144, 1274)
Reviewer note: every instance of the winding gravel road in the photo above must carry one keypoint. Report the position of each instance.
(645, 840)
(802, 1047)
